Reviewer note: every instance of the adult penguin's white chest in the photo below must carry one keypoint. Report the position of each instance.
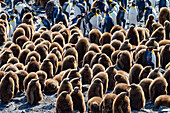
(13, 23)
(113, 16)
(77, 11)
(94, 21)
(68, 9)
(11, 31)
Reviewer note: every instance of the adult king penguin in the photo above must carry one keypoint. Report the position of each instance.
(67, 9)
(12, 21)
(133, 13)
(61, 17)
(108, 22)
(149, 57)
(141, 7)
(121, 16)
(78, 8)
(45, 22)
(96, 20)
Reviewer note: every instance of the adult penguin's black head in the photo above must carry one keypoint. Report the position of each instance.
(121, 8)
(93, 10)
(113, 4)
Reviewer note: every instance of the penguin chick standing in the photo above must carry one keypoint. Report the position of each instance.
(86, 74)
(95, 89)
(65, 86)
(3, 34)
(47, 66)
(78, 100)
(64, 103)
(6, 88)
(108, 102)
(5, 56)
(164, 56)
(94, 105)
(33, 92)
(157, 87)
(133, 36)
(137, 97)
(121, 103)
(33, 65)
(124, 60)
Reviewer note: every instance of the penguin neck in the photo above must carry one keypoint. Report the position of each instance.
(60, 12)
(96, 14)
(107, 14)
(132, 6)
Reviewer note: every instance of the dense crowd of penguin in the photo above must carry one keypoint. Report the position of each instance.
(92, 53)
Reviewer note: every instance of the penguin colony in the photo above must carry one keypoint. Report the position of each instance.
(86, 53)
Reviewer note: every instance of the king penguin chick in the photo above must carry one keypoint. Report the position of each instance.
(21, 75)
(137, 97)
(78, 100)
(104, 77)
(124, 60)
(157, 87)
(65, 86)
(42, 75)
(28, 78)
(51, 86)
(162, 100)
(27, 18)
(94, 105)
(111, 72)
(33, 92)
(33, 65)
(133, 36)
(144, 83)
(16, 81)
(3, 34)
(145, 72)
(108, 102)
(167, 77)
(134, 73)
(86, 74)
(154, 74)
(6, 88)
(69, 62)
(47, 66)
(121, 103)
(95, 89)
(5, 56)
(64, 103)
(164, 56)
